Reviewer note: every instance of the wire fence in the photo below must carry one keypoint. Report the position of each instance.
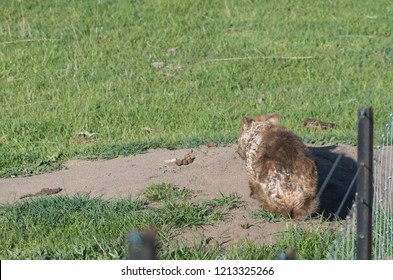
(383, 195)
(346, 244)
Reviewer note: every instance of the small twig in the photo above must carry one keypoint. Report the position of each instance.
(26, 40)
(256, 57)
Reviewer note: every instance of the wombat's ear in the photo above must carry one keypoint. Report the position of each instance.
(273, 118)
(246, 122)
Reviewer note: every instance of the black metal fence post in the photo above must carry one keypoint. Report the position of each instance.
(364, 201)
(141, 245)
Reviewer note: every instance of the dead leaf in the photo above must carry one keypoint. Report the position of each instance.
(171, 51)
(212, 144)
(315, 124)
(186, 160)
(147, 129)
(83, 137)
(158, 64)
(86, 134)
(56, 164)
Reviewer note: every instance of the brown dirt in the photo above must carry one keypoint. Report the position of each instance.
(214, 170)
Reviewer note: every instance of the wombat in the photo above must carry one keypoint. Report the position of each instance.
(282, 174)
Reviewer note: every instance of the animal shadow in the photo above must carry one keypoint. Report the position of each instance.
(338, 184)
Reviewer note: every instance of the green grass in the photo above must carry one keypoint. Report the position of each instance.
(243, 250)
(268, 216)
(307, 243)
(85, 228)
(310, 244)
(159, 192)
(87, 66)
(89, 228)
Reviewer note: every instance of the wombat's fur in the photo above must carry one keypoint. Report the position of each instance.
(281, 172)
